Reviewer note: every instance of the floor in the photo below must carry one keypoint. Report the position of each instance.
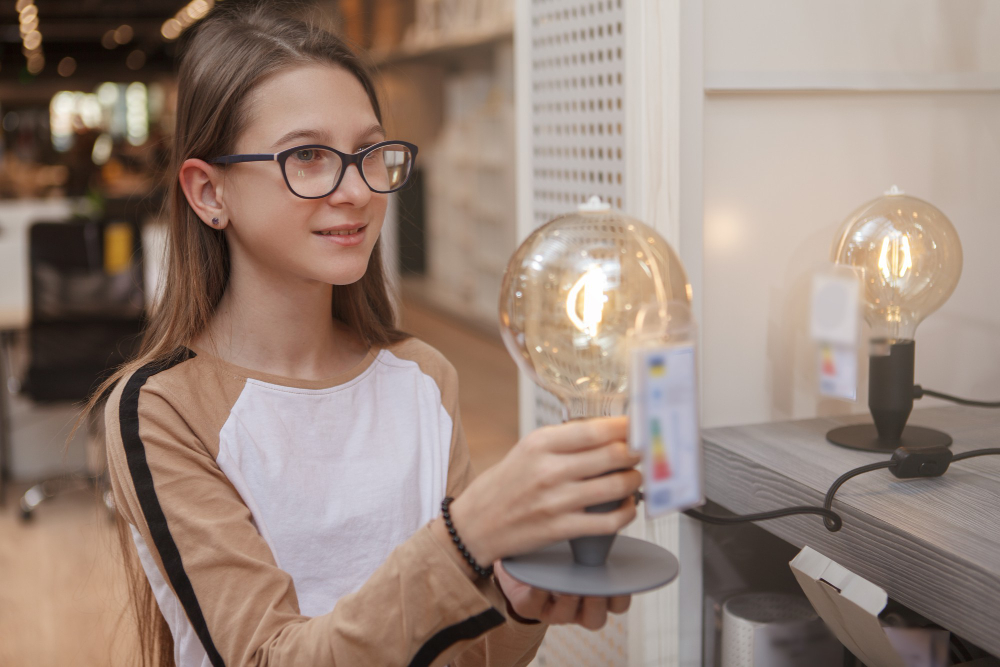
(61, 598)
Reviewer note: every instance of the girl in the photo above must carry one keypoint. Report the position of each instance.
(279, 451)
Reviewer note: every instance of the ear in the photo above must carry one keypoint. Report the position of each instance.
(202, 186)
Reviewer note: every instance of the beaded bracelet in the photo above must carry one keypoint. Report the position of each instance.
(483, 572)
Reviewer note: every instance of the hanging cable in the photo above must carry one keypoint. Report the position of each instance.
(830, 518)
(832, 491)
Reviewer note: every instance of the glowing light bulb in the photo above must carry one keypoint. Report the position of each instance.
(908, 254)
(571, 294)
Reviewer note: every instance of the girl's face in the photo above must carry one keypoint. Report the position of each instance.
(278, 231)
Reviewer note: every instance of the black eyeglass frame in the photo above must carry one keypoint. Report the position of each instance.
(346, 160)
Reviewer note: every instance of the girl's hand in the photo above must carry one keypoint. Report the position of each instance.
(537, 494)
(555, 609)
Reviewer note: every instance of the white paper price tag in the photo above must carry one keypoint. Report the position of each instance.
(834, 326)
(664, 426)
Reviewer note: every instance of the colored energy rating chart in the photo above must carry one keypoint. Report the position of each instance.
(658, 453)
(664, 412)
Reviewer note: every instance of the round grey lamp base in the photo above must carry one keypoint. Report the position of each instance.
(633, 566)
(865, 437)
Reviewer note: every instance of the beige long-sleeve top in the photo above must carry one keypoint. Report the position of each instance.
(284, 522)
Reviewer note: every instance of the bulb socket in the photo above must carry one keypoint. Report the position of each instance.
(890, 387)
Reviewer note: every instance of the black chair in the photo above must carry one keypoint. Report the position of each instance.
(87, 310)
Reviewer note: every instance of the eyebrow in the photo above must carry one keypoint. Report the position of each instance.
(319, 135)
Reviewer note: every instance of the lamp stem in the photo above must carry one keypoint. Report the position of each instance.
(890, 388)
(890, 399)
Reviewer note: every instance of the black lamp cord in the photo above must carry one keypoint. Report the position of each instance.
(905, 464)
(920, 392)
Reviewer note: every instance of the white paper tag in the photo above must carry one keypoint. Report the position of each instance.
(836, 301)
(664, 426)
(834, 325)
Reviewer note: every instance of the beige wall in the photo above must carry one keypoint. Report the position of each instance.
(811, 109)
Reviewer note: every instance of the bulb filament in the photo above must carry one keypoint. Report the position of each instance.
(894, 260)
(592, 284)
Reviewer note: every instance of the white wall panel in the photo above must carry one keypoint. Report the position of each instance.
(783, 169)
(859, 36)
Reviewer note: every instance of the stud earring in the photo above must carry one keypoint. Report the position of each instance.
(215, 221)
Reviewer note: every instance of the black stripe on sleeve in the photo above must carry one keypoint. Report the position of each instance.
(470, 628)
(142, 479)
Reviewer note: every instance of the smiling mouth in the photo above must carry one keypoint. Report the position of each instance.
(345, 232)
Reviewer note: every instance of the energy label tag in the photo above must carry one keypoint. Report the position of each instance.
(664, 426)
(834, 326)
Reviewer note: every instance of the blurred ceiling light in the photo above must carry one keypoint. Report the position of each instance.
(28, 12)
(191, 13)
(136, 59)
(108, 40)
(123, 34)
(30, 35)
(136, 114)
(36, 62)
(32, 40)
(198, 8)
(107, 93)
(89, 110)
(61, 119)
(66, 66)
(171, 29)
(102, 149)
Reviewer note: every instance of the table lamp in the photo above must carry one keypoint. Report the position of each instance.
(568, 301)
(909, 258)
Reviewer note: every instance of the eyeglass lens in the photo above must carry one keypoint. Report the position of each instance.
(313, 172)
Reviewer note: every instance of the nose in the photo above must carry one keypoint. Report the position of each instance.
(352, 189)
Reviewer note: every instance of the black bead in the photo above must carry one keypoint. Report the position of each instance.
(480, 571)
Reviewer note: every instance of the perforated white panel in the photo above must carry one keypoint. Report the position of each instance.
(577, 115)
(577, 150)
(577, 103)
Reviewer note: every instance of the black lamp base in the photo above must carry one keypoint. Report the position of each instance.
(865, 437)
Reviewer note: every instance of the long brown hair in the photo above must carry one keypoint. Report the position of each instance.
(226, 56)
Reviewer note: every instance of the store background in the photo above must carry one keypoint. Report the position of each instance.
(749, 131)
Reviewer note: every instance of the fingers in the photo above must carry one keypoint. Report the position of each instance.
(619, 604)
(593, 613)
(561, 609)
(590, 612)
(582, 434)
(615, 486)
(582, 523)
(597, 461)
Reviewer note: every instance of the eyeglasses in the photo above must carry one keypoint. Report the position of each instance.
(314, 171)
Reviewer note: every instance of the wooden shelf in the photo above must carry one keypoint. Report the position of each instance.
(932, 544)
(453, 47)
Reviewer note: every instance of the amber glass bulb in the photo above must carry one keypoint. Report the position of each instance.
(909, 258)
(571, 294)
